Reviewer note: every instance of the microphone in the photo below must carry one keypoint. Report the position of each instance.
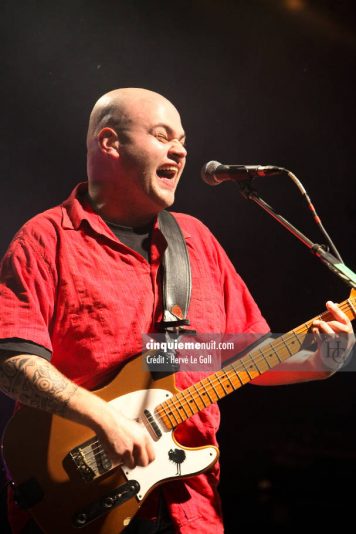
(213, 172)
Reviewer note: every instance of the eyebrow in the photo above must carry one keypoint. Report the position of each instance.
(169, 129)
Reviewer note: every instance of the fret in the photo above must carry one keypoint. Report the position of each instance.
(221, 384)
(179, 398)
(233, 370)
(173, 411)
(250, 366)
(210, 380)
(283, 351)
(243, 376)
(165, 417)
(259, 359)
(271, 356)
(306, 326)
(209, 388)
(229, 377)
(167, 423)
(214, 396)
(298, 340)
(190, 400)
(201, 396)
(233, 377)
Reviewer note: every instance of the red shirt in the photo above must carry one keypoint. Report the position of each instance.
(69, 284)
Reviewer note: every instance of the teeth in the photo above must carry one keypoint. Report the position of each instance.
(167, 172)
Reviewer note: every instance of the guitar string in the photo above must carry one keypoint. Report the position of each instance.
(235, 368)
(215, 380)
(94, 450)
(93, 454)
(224, 375)
(239, 366)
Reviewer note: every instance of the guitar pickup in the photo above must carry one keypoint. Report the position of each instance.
(150, 419)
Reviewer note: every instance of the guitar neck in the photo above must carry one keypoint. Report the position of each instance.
(244, 369)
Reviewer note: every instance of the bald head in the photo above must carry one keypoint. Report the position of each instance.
(117, 109)
(136, 155)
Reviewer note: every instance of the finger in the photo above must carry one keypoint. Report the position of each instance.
(332, 326)
(128, 459)
(321, 338)
(140, 455)
(151, 453)
(324, 327)
(149, 449)
(337, 313)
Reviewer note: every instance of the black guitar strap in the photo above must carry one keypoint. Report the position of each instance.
(177, 279)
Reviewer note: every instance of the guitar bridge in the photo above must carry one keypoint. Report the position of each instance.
(90, 460)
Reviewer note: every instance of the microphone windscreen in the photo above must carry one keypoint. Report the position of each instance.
(208, 171)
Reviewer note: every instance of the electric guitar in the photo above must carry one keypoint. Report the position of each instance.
(62, 474)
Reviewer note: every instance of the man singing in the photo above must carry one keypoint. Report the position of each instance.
(81, 283)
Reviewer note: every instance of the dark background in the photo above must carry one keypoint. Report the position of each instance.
(269, 82)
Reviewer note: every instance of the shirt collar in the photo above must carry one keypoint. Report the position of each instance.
(76, 208)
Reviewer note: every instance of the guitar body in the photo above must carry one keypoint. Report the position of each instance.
(59, 468)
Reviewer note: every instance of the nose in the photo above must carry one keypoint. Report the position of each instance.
(177, 150)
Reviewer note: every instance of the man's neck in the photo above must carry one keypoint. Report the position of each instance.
(122, 217)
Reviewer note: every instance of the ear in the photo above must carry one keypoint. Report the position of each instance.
(109, 142)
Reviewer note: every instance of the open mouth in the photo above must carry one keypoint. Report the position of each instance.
(167, 172)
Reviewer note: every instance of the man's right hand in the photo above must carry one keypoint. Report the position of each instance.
(35, 382)
(125, 441)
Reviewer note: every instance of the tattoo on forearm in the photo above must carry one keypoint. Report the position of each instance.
(36, 384)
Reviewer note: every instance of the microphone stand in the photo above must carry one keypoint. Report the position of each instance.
(331, 261)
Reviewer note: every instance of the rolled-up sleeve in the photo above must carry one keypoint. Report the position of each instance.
(27, 292)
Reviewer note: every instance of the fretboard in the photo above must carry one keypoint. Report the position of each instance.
(216, 386)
